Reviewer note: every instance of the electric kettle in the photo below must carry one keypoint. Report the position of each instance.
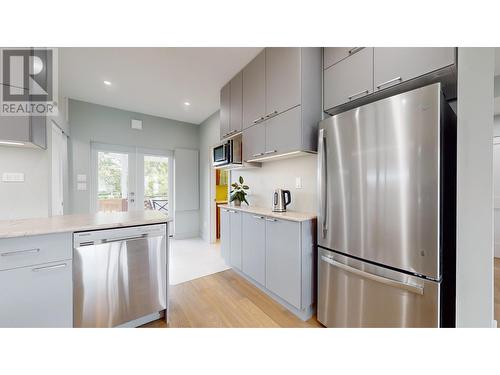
(279, 201)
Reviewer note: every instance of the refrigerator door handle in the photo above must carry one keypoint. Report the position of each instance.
(397, 284)
(322, 181)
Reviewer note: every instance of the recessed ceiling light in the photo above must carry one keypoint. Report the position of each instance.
(187, 104)
(107, 83)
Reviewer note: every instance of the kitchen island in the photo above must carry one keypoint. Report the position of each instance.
(95, 270)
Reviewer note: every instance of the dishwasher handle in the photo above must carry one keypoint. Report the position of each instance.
(111, 240)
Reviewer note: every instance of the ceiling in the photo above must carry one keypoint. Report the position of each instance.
(154, 81)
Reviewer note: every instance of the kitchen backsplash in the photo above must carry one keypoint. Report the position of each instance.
(282, 174)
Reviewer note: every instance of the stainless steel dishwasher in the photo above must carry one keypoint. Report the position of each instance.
(120, 276)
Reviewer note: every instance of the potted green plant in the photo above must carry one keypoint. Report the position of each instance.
(238, 193)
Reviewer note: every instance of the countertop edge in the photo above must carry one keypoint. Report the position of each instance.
(296, 216)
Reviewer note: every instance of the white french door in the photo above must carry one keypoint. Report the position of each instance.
(130, 178)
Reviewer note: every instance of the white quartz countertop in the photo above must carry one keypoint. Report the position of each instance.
(288, 215)
(77, 223)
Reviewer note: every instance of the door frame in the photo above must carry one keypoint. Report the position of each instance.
(136, 169)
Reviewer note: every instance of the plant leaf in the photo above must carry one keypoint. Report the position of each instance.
(241, 180)
(245, 187)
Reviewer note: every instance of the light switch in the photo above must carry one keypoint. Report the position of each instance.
(136, 124)
(81, 178)
(298, 182)
(12, 177)
(81, 186)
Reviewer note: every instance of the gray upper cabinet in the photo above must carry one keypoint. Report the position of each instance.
(255, 141)
(283, 79)
(292, 103)
(396, 65)
(225, 110)
(283, 132)
(333, 55)
(283, 260)
(254, 90)
(235, 252)
(349, 79)
(236, 103)
(254, 247)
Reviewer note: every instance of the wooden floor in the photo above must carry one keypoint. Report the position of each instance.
(225, 299)
(497, 290)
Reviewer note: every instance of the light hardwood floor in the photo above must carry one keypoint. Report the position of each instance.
(225, 299)
(497, 289)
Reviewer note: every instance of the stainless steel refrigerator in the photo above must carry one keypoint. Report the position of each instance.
(386, 221)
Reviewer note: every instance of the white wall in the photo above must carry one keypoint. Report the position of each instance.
(282, 174)
(209, 136)
(20, 200)
(474, 187)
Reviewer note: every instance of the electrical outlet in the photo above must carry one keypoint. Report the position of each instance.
(13, 177)
(298, 182)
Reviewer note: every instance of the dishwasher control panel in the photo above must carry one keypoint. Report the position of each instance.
(118, 234)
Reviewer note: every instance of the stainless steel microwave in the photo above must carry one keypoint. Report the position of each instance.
(227, 154)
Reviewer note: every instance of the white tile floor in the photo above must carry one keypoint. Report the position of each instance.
(193, 258)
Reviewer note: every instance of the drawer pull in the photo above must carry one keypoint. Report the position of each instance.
(272, 114)
(258, 120)
(258, 154)
(270, 152)
(20, 252)
(397, 79)
(258, 217)
(354, 50)
(364, 92)
(270, 219)
(48, 268)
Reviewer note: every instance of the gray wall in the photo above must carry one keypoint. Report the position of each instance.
(209, 136)
(28, 199)
(474, 187)
(92, 122)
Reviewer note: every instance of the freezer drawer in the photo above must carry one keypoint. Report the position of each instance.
(352, 293)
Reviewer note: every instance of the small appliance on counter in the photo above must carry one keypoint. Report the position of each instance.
(281, 199)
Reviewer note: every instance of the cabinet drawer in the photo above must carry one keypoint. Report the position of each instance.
(332, 55)
(396, 65)
(350, 79)
(284, 132)
(37, 296)
(32, 250)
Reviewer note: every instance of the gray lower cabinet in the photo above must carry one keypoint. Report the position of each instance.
(283, 79)
(235, 247)
(225, 110)
(276, 255)
(225, 235)
(254, 247)
(284, 132)
(283, 260)
(396, 65)
(254, 90)
(38, 296)
(349, 79)
(255, 141)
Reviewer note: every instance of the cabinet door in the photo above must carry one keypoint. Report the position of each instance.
(235, 224)
(225, 235)
(332, 55)
(225, 107)
(283, 132)
(395, 65)
(349, 79)
(254, 90)
(236, 93)
(254, 141)
(37, 296)
(283, 264)
(254, 247)
(282, 79)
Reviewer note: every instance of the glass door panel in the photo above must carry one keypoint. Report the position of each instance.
(156, 183)
(112, 181)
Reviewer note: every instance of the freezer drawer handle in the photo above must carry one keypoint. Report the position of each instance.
(397, 284)
(20, 252)
(48, 268)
